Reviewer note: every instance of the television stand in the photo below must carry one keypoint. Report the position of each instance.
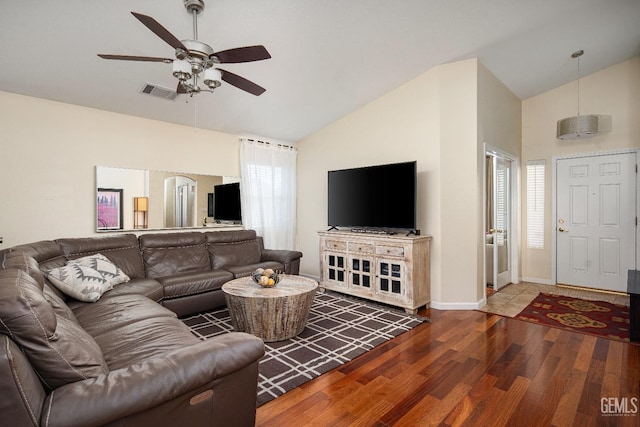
(390, 269)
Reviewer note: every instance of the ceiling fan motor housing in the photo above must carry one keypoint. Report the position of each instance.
(197, 55)
(194, 5)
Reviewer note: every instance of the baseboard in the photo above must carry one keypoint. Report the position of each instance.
(537, 280)
(434, 304)
(457, 305)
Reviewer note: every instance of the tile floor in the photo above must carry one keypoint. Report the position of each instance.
(513, 298)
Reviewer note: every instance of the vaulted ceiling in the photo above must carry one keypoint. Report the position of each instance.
(329, 57)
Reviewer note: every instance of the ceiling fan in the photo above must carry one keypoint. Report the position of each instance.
(196, 60)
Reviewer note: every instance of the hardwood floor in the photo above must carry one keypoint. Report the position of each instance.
(473, 369)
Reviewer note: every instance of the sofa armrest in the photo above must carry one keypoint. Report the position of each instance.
(290, 259)
(141, 387)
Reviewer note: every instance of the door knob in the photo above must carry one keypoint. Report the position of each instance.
(562, 230)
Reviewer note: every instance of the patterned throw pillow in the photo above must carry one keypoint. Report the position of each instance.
(104, 266)
(80, 282)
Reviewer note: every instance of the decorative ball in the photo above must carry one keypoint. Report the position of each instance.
(265, 278)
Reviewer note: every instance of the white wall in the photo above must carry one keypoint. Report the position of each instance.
(614, 91)
(49, 152)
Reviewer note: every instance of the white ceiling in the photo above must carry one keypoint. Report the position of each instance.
(329, 57)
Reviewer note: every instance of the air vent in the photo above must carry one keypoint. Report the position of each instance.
(159, 91)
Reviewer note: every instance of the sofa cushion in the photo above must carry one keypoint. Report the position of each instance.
(60, 307)
(145, 339)
(115, 312)
(58, 348)
(104, 266)
(80, 282)
(174, 253)
(122, 249)
(181, 285)
(46, 252)
(230, 236)
(132, 328)
(149, 288)
(224, 255)
(24, 262)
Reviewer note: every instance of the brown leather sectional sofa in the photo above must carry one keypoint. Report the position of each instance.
(127, 359)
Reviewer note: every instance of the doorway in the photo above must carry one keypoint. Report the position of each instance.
(501, 198)
(595, 221)
(179, 202)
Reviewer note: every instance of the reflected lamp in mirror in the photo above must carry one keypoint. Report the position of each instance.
(140, 211)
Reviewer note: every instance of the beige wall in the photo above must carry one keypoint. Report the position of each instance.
(500, 126)
(614, 91)
(499, 114)
(460, 200)
(403, 125)
(50, 151)
(435, 120)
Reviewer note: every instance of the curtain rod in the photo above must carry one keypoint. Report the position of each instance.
(270, 143)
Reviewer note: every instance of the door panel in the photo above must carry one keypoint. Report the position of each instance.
(609, 254)
(579, 251)
(596, 220)
(579, 209)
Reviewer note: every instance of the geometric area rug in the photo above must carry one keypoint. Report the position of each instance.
(339, 329)
(599, 318)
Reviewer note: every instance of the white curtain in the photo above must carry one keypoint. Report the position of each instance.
(268, 191)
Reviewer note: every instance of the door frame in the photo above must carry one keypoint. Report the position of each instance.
(514, 223)
(554, 211)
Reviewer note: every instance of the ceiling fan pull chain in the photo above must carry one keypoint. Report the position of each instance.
(195, 115)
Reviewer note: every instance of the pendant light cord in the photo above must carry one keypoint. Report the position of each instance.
(578, 86)
(576, 55)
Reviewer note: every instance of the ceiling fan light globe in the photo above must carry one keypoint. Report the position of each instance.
(181, 70)
(212, 77)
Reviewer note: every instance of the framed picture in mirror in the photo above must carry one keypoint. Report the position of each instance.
(109, 209)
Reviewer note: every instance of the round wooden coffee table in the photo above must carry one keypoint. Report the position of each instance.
(273, 314)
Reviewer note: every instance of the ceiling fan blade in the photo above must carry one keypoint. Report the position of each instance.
(180, 89)
(242, 83)
(242, 54)
(136, 58)
(159, 31)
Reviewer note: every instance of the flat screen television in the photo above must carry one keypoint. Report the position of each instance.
(226, 206)
(379, 197)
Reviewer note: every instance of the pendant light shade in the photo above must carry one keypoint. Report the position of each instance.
(578, 127)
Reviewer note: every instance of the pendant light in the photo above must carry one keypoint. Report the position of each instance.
(579, 127)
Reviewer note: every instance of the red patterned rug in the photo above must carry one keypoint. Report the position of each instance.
(591, 317)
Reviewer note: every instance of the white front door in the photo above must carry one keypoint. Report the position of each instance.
(596, 216)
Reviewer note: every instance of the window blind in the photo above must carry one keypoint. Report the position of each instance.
(535, 204)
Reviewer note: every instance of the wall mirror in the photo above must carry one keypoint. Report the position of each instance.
(134, 199)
